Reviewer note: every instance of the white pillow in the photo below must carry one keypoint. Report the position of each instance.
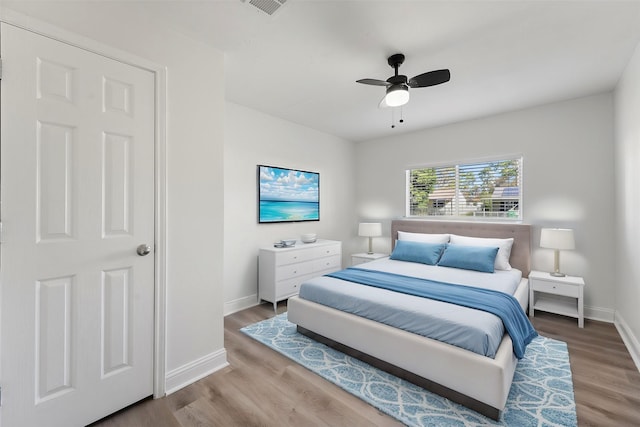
(504, 247)
(423, 237)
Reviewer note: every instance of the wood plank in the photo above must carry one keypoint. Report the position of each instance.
(264, 388)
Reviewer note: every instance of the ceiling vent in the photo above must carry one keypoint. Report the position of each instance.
(268, 6)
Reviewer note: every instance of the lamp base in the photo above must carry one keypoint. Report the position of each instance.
(556, 264)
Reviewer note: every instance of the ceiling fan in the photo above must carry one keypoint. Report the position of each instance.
(398, 85)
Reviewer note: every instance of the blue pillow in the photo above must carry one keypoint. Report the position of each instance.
(478, 258)
(424, 253)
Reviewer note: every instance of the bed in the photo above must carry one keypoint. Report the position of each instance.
(475, 380)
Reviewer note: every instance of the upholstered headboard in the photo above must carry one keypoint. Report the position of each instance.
(521, 233)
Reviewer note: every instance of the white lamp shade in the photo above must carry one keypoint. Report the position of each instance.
(557, 238)
(370, 229)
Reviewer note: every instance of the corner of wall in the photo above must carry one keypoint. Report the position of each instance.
(191, 372)
(600, 314)
(629, 339)
(238, 304)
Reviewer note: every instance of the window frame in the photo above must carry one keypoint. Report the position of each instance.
(457, 166)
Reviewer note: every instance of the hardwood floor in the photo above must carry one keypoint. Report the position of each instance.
(263, 388)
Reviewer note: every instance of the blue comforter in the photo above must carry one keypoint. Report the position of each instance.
(503, 305)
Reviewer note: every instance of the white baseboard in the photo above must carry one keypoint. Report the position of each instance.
(599, 313)
(193, 371)
(629, 339)
(240, 304)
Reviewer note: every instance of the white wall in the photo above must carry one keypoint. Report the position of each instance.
(254, 138)
(567, 180)
(195, 142)
(627, 212)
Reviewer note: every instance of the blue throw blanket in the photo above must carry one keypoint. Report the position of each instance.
(505, 306)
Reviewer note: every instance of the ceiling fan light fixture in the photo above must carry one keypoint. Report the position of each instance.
(397, 95)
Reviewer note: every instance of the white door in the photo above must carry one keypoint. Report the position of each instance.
(77, 176)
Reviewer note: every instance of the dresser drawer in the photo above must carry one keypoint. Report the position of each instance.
(289, 287)
(556, 288)
(331, 263)
(328, 250)
(291, 257)
(294, 270)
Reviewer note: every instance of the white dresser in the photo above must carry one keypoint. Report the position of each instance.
(282, 270)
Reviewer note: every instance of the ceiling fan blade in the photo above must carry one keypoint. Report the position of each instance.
(383, 102)
(374, 82)
(430, 78)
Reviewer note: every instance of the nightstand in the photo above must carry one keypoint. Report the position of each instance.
(559, 295)
(365, 257)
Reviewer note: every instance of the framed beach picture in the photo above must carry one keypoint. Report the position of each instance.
(287, 195)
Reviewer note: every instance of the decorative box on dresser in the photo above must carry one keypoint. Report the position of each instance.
(282, 270)
(560, 295)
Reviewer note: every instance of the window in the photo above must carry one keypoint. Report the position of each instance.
(490, 189)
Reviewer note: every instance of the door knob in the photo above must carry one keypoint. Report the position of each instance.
(143, 249)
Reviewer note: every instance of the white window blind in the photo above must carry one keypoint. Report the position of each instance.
(483, 189)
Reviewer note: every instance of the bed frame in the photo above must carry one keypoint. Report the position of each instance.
(475, 381)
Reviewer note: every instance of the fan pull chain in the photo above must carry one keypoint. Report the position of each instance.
(393, 118)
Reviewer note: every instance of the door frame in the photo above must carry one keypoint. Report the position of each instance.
(17, 19)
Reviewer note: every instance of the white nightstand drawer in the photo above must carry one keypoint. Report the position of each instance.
(556, 288)
(361, 258)
(358, 260)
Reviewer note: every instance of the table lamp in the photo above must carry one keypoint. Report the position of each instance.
(370, 229)
(557, 239)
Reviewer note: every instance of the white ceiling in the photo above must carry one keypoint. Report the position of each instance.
(301, 63)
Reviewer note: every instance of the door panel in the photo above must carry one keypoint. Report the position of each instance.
(77, 175)
(116, 325)
(53, 337)
(117, 184)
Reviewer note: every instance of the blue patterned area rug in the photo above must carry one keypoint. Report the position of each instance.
(541, 394)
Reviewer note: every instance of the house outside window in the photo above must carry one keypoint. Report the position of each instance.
(481, 190)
